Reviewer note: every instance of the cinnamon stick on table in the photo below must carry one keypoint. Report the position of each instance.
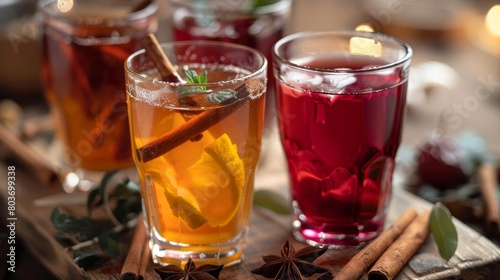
(130, 269)
(488, 184)
(363, 260)
(194, 126)
(401, 251)
(34, 162)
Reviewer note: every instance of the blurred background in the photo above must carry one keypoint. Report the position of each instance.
(454, 83)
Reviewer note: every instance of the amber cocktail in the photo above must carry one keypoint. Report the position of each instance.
(196, 147)
(84, 46)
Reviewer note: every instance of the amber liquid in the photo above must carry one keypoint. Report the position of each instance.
(85, 88)
(182, 178)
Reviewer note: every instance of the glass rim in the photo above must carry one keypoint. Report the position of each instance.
(145, 12)
(370, 35)
(277, 6)
(261, 69)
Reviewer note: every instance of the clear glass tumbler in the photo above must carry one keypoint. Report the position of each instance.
(84, 46)
(341, 99)
(196, 147)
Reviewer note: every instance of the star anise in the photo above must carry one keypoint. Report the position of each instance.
(293, 265)
(190, 272)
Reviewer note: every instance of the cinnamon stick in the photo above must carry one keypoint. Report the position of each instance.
(400, 252)
(130, 269)
(34, 162)
(186, 131)
(363, 260)
(488, 185)
(145, 260)
(161, 61)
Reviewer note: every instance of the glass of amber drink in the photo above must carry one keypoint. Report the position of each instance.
(84, 46)
(196, 147)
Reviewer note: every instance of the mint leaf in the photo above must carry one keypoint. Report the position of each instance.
(222, 96)
(261, 3)
(444, 231)
(193, 78)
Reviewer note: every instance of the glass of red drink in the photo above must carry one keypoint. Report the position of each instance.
(258, 24)
(84, 47)
(340, 100)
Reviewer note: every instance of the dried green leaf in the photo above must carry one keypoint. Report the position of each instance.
(83, 228)
(444, 231)
(108, 241)
(272, 201)
(95, 197)
(89, 259)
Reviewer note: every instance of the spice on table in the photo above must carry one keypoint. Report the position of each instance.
(363, 260)
(293, 264)
(190, 271)
(400, 252)
(488, 186)
(130, 270)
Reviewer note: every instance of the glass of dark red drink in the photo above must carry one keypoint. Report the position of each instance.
(340, 100)
(84, 47)
(258, 24)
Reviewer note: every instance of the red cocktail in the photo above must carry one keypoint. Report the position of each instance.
(340, 113)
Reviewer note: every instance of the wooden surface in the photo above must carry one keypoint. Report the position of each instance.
(476, 255)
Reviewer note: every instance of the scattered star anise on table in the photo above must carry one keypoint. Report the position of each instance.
(293, 265)
(190, 272)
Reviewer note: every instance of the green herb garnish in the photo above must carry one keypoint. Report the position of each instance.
(262, 3)
(192, 77)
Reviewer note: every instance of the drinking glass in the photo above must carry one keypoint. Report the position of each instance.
(256, 24)
(196, 147)
(84, 46)
(340, 99)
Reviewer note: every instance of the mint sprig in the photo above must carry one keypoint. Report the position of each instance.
(192, 77)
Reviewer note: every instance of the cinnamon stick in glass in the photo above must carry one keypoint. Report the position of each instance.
(363, 260)
(401, 251)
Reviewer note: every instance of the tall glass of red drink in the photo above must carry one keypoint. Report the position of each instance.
(340, 99)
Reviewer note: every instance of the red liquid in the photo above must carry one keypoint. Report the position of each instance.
(340, 150)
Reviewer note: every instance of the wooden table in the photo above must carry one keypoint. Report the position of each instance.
(476, 255)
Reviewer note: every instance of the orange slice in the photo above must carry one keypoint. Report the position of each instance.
(217, 181)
